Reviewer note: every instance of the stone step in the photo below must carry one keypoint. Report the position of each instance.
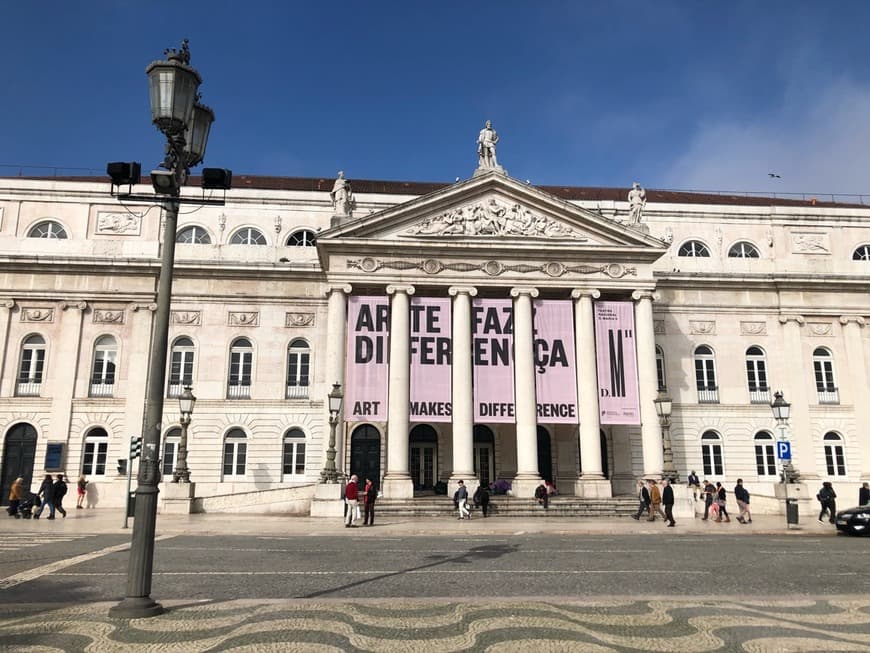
(562, 506)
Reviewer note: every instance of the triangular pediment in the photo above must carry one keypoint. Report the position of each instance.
(491, 209)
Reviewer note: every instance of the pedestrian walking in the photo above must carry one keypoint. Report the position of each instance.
(709, 495)
(741, 495)
(351, 499)
(643, 500)
(370, 495)
(16, 493)
(864, 495)
(461, 499)
(826, 497)
(655, 498)
(481, 498)
(82, 488)
(668, 502)
(721, 499)
(694, 485)
(46, 493)
(60, 489)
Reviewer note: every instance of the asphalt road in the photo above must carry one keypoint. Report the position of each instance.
(220, 567)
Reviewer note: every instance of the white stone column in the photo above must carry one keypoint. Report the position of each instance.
(797, 379)
(64, 371)
(336, 346)
(591, 481)
(397, 480)
(7, 377)
(650, 429)
(525, 400)
(462, 390)
(859, 383)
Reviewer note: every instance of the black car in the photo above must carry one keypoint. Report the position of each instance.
(855, 521)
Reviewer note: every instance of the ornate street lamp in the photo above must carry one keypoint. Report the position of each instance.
(664, 405)
(173, 86)
(186, 402)
(781, 412)
(329, 474)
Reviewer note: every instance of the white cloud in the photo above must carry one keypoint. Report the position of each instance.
(821, 145)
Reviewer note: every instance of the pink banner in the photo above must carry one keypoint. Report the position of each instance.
(492, 354)
(431, 356)
(555, 363)
(615, 350)
(368, 351)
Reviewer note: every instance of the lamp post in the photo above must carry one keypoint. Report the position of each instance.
(781, 412)
(329, 474)
(185, 123)
(185, 404)
(664, 407)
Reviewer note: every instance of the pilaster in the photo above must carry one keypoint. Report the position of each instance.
(336, 346)
(797, 379)
(859, 383)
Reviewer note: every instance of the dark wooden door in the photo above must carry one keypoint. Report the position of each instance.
(19, 456)
(365, 454)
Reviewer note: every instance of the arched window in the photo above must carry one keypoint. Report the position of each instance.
(711, 454)
(298, 369)
(47, 229)
(756, 376)
(835, 456)
(31, 368)
(193, 235)
(170, 452)
(241, 364)
(743, 249)
(235, 453)
(823, 368)
(94, 453)
(302, 238)
(693, 248)
(248, 236)
(705, 375)
(181, 366)
(294, 453)
(765, 460)
(660, 369)
(862, 253)
(103, 369)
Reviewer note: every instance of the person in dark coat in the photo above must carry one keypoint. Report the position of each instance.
(668, 502)
(370, 494)
(826, 497)
(864, 495)
(709, 491)
(60, 489)
(643, 500)
(481, 498)
(721, 499)
(741, 494)
(46, 493)
(542, 496)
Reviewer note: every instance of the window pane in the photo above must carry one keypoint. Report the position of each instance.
(228, 458)
(300, 457)
(88, 459)
(102, 449)
(241, 455)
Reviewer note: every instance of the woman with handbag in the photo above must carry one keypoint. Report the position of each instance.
(720, 499)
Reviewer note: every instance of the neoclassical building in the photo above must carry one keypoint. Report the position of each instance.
(486, 329)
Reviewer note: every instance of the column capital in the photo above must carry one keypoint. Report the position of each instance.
(857, 319)
(338, 287)
(82, 306)
(471, 291)
(577, 293)
(407, 290)
(7, 303)
(143, 307)
(651, 295)
(524, 290)
(785, 318)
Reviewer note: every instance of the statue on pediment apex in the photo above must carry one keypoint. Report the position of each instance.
(342, 196)
(636, 203)
(486, 142)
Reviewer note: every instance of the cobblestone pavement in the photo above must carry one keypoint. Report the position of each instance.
(541, 625)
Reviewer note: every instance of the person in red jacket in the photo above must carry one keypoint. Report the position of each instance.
(351, 498)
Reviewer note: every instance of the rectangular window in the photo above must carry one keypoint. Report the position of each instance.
(705, 374)
(181, 368)
(32, 364)
(712, 458)
(94, 458)
(835, 460)
(170, 453)
(294, 458)
(824, 376)
(241, 455)
(765, 462)
(240, 367)
(660, 373)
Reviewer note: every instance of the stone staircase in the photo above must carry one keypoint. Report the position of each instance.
(507, 506)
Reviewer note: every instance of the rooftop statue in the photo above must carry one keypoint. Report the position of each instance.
(486, 147)
(342, 196)
(636, 203)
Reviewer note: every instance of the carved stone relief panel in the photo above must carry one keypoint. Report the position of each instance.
(820, 328)
(491, 268)
(243, 318)
(806, 242)
(659, 327)
(108, 316)
(702, 327)
(298, 319)
(33, 314)
(185, 318)
(119, 224)
(753, 328)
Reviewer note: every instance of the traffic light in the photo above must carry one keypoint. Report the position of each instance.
(135, 446)
(122, 466)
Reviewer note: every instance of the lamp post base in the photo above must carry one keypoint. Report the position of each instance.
(136, 607)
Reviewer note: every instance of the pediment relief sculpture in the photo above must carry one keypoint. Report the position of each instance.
(493, 218)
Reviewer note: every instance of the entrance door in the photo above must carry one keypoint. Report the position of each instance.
(484, 454)
(365, 453)
(19, 455)
(545, 455)
(423, 456)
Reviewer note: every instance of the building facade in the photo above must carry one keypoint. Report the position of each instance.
(730, 298)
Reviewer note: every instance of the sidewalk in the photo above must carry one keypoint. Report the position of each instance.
(110, 521)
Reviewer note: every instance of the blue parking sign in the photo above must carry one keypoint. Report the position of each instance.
(783, 450)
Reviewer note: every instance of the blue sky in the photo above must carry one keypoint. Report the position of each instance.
(691, 95)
